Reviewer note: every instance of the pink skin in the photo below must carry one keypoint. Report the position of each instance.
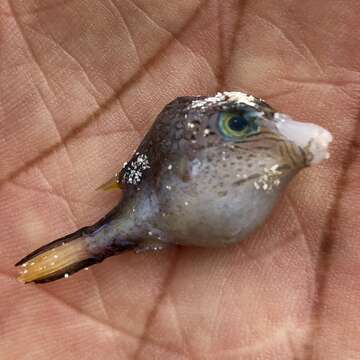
(80, 83)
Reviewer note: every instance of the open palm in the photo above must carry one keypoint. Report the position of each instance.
(80, 83)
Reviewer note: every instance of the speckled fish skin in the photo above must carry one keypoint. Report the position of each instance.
(189, 184)
(199, 189)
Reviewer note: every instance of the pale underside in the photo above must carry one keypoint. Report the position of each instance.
(80, 83)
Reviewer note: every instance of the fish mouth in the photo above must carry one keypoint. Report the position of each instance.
(312, 138)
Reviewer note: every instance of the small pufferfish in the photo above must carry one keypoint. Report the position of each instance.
(208, 174)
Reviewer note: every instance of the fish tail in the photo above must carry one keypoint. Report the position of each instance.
(58, 259)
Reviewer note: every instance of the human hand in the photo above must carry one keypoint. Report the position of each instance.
(81, 82)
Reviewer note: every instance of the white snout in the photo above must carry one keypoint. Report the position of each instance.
(307, 135)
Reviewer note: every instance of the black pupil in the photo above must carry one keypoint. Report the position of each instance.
(238, 123)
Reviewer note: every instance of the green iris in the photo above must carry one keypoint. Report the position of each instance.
(238, 125)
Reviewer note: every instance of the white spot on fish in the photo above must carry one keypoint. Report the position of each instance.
(168, 187)
(269, 179)
(134, 171)
(221, 99)
(224, 155)
(196, 166)
(66, 275)
(170, 167)
(186, 203)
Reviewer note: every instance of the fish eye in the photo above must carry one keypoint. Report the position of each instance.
(238, 125)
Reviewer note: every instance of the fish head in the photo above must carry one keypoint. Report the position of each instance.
(234, 122)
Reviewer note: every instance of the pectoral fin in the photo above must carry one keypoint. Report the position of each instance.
(183, 169)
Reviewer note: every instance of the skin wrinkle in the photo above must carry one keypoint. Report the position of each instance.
(53, 193)
(77, 62)
(53, 121)
(31, 51)
(350, 70)
(221, 72)
(132, 42)
(312, 256)
(186, 348)
(215, 324)
(242, 5)
(337, 84)
(171, 35)
(61, 197)
(175, 38)
(97, 322)
(70, 160)
(292, 347)
(157, 303)
(275, 338)
(106, 133)
(300, 223)
(71, 211)
(103, 306)
(327, 242)
(50, 89)
(321, 82)
(103, 109)
(57, 300)
(291, 41)
(54, 4)
(17, 67)
(132, 123)
(280, 94)
(311, 54)
(226, 52)
(71, 58)
(269, 252)
(353, 95)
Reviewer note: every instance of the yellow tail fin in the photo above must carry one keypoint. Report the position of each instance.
(58, 259)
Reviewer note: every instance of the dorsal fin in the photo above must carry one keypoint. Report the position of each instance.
(111, 184)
